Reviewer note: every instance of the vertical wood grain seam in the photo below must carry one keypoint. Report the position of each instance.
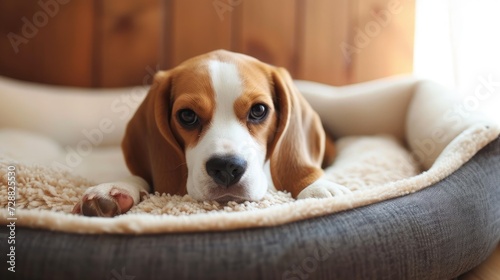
(299, 44)
(236, 29)
(166, 48)
(96, 67)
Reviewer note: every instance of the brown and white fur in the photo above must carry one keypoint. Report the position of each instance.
(221, 126)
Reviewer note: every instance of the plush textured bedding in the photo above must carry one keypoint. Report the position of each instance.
(398, 145)
(425, 181)
(363, 163)
(437, 233)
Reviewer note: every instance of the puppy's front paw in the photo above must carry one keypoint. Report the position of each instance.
(107, 200)
(323, 188)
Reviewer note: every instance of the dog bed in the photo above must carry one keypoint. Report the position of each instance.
(425, 183)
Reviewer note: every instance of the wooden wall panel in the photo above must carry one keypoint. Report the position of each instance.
(195, 27)
(16, 51)
(127, 42)
(384, 32)
(267, 30)
(84, 43)
(325, 29)
(60, 49)
(334, 42)
(121, 43)
(65, 45)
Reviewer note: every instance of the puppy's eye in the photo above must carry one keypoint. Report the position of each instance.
(187, 118)
(257, 113)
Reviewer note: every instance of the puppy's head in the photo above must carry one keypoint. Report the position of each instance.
(208, 126)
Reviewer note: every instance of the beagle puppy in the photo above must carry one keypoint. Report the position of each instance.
(221, 126)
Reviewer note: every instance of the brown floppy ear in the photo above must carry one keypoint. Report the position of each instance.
(298, 148)
(151, 151)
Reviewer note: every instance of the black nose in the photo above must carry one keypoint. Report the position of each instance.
(226, 170)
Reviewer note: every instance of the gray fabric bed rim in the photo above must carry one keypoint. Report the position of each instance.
(437, 233)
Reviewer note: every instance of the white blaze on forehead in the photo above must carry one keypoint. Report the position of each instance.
(227, 86)
(226, 135)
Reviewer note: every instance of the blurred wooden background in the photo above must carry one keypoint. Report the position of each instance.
(111, 43)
